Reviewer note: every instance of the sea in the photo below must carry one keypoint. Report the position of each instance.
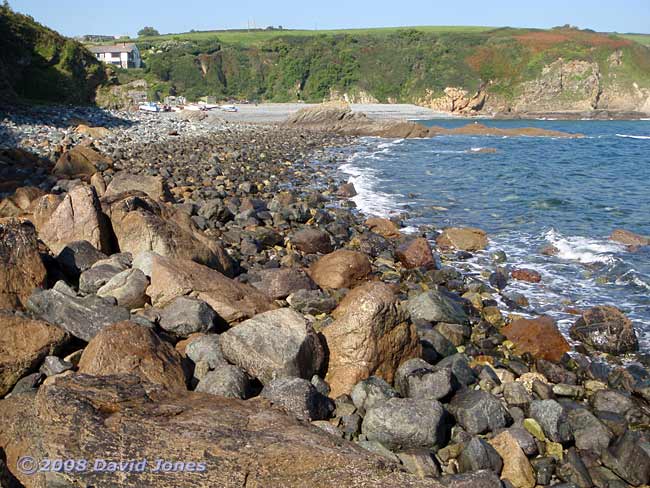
(528, 193)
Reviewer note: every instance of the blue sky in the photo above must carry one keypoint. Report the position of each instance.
(75, 17)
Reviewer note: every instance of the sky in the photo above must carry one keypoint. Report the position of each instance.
(120, 17)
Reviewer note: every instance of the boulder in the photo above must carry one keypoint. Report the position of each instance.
(629, 457)
(82, 317)
(605, 329)
(94, 132)
(78, 217)
(478, 454)
(552, 418)
(23, 345)
(438, 305)
(313, 302)
(462, 238)
(126, 348)
(299, 397)
(127, 287)
(479, 412)
(407, 423)
(101, 273)
(274, 344)
(528, 275)
(373, 337)
(142, 224)
(77, 257)
(80, 161)
(416, 253)
(279, 283)
(516, 467)
(539, 337)
(312, 241)
(589, 433)
(383, 227)
(629, 238)
(227, 381)
(233, 301)
(124, 182)
(205, 348)
(341, 269)
(347, 190)
(371, 392)
(232, 442)
(415, 378)
(184, 316)
(21, 267)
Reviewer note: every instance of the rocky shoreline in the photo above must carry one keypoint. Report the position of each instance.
(200, 292)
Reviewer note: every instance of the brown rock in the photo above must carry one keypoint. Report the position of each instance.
(128, 348)
(539, 337)
(605, 329)
(312, 241)
(529, 275)
(97, 182)
(141, 224)
(549, 250)
(347, 190)
(153, 186)
(23, 345)
(383, 227)
(516, 467)
(372, 337)
(94, 132)
(629, 238)
(279, 283)
(20, 202)
(78, 217)
(21, 268)
(463, 238)
(233, 301)
(416, 253)
(341, 269)
(242, 443)
(80, 161)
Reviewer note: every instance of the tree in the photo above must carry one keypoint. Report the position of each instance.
(5, 4)
(148, 32)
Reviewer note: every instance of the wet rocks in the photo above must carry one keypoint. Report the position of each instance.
(406, 423)
(233, 301)
(347, 190)
(312, 241)
(629, 238)
(606, 329)
(299, 397)
(129, 349)
(340, 269)
(416, 253)
(21, 268)
(462, 238)
(437, 305)
(372, 337)
(479, 412)
(539, 337)
(383, 227)
(274, 344)
(24, 343)
(528, 275)
(82, 317)
(184, 316)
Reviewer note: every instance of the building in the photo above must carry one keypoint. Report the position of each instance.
(124, 55)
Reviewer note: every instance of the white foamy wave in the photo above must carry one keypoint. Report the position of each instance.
(369, 200)
(389, 144)
(582, 249)
(629, 136)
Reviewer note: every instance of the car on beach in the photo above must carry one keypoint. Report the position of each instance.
(229, 108)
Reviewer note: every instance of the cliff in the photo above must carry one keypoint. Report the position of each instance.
(38, 64)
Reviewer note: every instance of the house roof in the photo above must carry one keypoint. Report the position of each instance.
(114, 48)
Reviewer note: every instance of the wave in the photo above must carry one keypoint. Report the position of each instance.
(369, 200)
(629, 136)
(582, 249)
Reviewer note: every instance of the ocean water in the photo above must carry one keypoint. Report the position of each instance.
(533, 191)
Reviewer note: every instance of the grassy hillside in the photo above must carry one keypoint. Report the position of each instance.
(391, 64)
(640, 38)
(37, 64)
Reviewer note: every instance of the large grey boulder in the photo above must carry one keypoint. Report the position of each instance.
(227, 381)
(312, 302)
(83, 317)
(207, 349)
(101, 272)
(184, 316)
(416, 378)
(128, 287)
(407, 423)
(78, 256)
(479, 412)
(629, 457)
(281, 282)
(274, 344)
(437, 306)
(588, 431)
(299, 397)
(478, 454)
(552, 418)
(371, 392)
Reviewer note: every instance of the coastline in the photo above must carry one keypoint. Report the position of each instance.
(254, 187)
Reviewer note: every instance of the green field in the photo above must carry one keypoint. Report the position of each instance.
(254, 37)
(640, 38)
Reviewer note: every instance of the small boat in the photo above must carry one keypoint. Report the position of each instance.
(149, 107)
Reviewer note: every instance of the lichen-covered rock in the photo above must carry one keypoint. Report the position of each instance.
(605, 329)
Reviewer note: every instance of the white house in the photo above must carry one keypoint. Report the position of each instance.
(124, 55)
